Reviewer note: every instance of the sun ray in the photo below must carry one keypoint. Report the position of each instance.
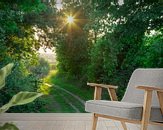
(70, 19)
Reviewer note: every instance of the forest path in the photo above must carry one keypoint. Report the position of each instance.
(63, 99)
(72, 94)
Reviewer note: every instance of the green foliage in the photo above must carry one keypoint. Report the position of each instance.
(8, 126)
(4, 72)
(39, 72)
(103, 61)
(107, 41)
(19, 99)
(21, 80)
(151, 51)
(45, 88)
(129, 28)
(41, 69)
(13, 36)
(24, 28)
(72, 44)
(118, 39)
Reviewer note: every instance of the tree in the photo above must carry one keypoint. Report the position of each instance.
(25, 26)
(72, 45)
(124, 31)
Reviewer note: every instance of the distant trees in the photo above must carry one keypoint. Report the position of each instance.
(41, 69)
(24, 27)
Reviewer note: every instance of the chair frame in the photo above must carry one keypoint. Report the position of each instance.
(146, 106)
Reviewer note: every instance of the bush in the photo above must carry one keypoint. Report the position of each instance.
(41, 69)
(21, 80)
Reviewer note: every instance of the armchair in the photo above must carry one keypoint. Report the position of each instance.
(141, 104)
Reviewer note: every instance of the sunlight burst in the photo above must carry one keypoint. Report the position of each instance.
(70, 19)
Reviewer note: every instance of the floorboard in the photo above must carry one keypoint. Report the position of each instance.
(57, 121)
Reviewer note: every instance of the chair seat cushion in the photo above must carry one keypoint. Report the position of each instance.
(131, 111)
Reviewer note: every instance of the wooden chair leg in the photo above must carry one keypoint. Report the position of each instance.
(124, 125)
(94, 123)
(160, 98)
(146, 110)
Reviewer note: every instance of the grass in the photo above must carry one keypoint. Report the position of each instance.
(61, 101)
(85, 93)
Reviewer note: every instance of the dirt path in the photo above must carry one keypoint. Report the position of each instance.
(72, 94)
(62, 98)
(70, 103)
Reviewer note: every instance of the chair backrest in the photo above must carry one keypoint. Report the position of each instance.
(146, 77)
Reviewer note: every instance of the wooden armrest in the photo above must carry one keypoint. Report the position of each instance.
(102, 85)
(149, 88)
(98, 90)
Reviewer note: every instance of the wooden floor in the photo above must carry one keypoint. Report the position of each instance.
(57, 121)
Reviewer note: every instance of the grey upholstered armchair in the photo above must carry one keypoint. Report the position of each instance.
(141, 104)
